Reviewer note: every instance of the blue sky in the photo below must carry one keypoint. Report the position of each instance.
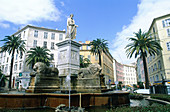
(112, 20)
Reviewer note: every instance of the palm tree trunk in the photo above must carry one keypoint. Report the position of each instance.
(100, 59)
(146, 72)
(10, 77)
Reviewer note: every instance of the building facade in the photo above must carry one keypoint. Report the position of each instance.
(33, 36)
(106, 61)
(159, 65)
(130, 76)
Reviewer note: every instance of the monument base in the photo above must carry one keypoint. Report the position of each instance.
(44, 85)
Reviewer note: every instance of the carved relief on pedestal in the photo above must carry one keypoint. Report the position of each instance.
(74, 55)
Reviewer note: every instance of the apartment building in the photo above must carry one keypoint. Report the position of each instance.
(106, 61)
(159, 65)
(130, 76)
(33, 36)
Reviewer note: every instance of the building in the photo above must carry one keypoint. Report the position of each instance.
(33, 36)
(159, 65)
(130, 76)
(119, 68)
(106, 61)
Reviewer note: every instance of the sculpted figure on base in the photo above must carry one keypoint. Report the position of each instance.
(94, 70)
(43, 69)
(71, 28)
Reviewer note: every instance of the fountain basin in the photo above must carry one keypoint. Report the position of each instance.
(115, 98)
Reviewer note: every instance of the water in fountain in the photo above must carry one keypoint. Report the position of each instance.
(68, 86)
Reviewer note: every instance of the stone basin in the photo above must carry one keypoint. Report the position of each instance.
(24, 100)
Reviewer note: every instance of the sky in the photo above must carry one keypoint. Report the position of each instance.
(112, 20)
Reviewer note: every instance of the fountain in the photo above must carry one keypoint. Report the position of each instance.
(79, 87)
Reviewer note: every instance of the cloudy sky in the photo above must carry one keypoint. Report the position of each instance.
(113, 20)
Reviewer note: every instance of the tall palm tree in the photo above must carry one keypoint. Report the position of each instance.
(13, 44)
(98, 46)
(84, 62)
(142, 45)
(38, 54)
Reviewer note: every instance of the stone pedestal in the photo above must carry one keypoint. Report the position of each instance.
(42, 84)
(68, 57)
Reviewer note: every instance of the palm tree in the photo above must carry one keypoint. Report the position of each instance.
(13, 44)
(142, 45)
(38, 54)
(84, 62)
(98, 46)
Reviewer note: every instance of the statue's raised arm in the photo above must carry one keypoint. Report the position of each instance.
(71, 28)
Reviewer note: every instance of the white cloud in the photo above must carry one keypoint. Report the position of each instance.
(147, 11)
(25, 11)
(3, 25)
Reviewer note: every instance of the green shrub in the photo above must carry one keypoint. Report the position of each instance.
(161, 97)
(160, 108)
(135, 96)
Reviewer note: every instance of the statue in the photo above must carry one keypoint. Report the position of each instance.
(94, 70)
(41, 68)
(71, 28)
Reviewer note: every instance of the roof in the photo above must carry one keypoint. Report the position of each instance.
(40, 28)
(160, 17)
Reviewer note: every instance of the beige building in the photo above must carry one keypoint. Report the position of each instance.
(106, 61)
(33, 36)
(159, 65)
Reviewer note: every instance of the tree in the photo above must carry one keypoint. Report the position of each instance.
(98, 46)
(84, 62)
(38, 54)
(142, 45)
(13, 44)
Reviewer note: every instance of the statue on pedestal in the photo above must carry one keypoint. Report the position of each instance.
(71, 28)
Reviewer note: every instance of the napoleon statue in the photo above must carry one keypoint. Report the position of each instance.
(71, 28)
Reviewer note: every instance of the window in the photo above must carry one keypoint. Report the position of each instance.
(45, 35)
(6, 68)
(35, 43)
(7, 59)
(20, 66)
(15, 67)
(168, 31)
(148, 60)
(45, 44)
(53, 36)
(16, 57)
(155, 67)
(159, 64)
(157, 77)
(152, 69)
(87, 47)
(35, 33)
(168, 46)
(52, 56)
(81, 48)
(166, 22)
(24, 35)
(52, 45)
(89, 57)
(153, 79)
(60, 36)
